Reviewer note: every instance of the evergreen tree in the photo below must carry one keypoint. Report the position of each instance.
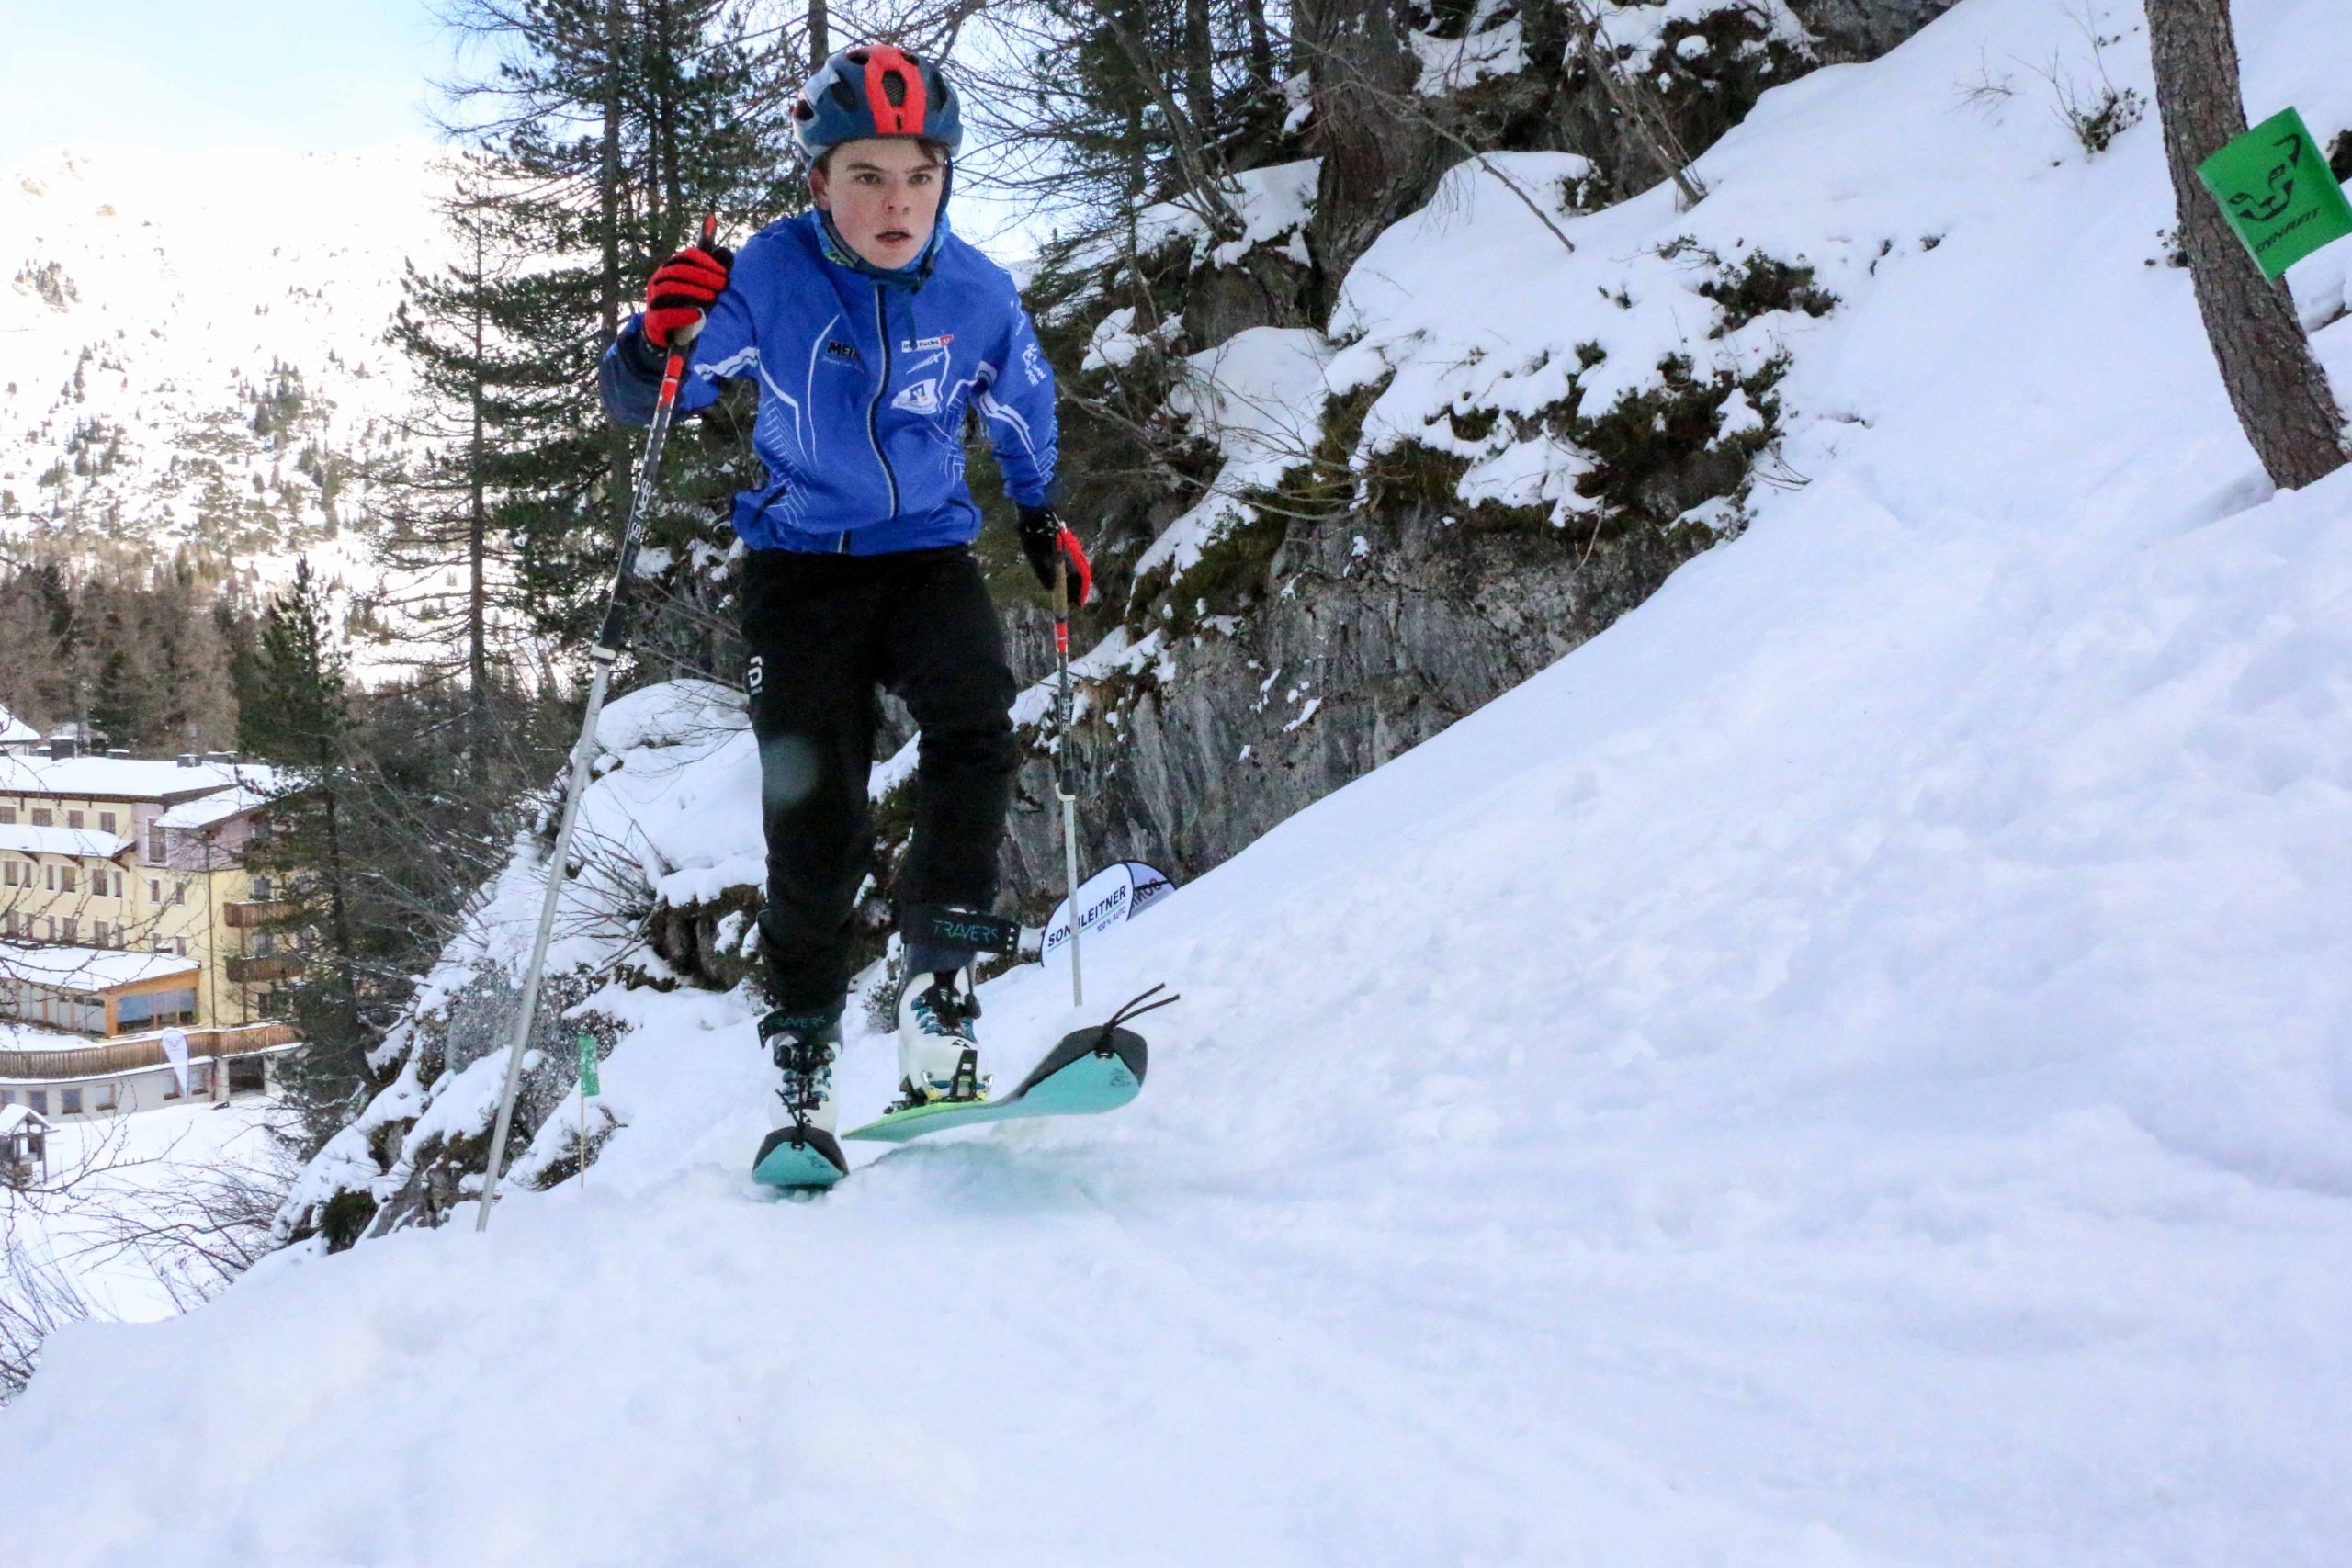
(608, 129)
(298, 717)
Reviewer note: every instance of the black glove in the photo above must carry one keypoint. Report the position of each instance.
(1047, 542)
(681, 291)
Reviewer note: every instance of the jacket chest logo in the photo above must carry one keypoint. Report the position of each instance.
(918, 344)
(838, 353)
(920, 398)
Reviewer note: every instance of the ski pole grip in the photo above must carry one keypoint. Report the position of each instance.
(682, 338)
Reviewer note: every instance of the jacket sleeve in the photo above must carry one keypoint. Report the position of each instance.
(1019, 407)
(630, 376)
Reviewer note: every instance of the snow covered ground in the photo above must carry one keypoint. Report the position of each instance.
(123, 1168)
(1851, 1068)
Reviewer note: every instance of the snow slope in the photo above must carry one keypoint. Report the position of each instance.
(1850, 1068)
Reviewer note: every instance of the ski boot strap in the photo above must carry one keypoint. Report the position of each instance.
(790, 1036)
(941, 938)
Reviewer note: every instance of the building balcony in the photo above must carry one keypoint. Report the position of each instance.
(134, 1055)
(247, 915)
(255, 971)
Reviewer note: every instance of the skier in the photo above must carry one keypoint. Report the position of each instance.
(869, 329)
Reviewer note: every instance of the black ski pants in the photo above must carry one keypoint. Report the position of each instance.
(824, 632)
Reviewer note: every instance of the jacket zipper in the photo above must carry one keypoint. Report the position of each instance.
(874, 410)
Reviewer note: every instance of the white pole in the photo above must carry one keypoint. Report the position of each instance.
(1066, 782)
(611, 638)
(583, 752)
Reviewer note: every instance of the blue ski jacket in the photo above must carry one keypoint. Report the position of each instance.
(862, 387)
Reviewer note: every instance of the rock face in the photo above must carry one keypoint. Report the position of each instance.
(1373, 650)
(1848, 30)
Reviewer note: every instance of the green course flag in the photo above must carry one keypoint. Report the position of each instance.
(588, 1084)
(2278, 193)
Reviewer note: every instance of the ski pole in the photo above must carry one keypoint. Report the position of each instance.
(612, 637)
(1065, 784)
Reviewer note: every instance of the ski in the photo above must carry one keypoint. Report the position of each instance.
(1090, 1071)
(799, 1160)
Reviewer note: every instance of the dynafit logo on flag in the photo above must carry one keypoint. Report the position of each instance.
(2278, 193)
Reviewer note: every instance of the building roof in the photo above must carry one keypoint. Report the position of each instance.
(14, 1119)
(131, 778)
(15, 731)
(215, 808)
(60, 841)
(90, 970)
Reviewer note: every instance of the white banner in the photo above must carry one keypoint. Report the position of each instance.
(176, 1049)
(1115, 893)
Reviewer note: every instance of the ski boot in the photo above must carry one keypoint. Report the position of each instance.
(939, 1053)
(804, 1048)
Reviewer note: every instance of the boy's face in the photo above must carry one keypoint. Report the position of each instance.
(883, 193)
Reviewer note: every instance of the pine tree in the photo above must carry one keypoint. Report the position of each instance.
(437, 527)
(298, 717)
(686, 121)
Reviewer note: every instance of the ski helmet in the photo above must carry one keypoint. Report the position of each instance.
(876, 90)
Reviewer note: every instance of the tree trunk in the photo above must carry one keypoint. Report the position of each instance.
(821, 47)
(1200, 68)
(1380, 154)
(1203, 175)
(609, 196)
(478, 551)
(2281, 394)
(1261, 45)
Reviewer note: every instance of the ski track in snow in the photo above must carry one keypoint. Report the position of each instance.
(1849, 1069)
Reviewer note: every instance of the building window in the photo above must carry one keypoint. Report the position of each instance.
(154, 891)
(261, 890)
(76, 819)
(68, 927)
(7, 819)
(44, 819)
(52, 877)
(179, 892)
(155, 845)
(156, 1009)
(179, 946)
(8, 873)
(70, 1101)
(106, 821)
(65, 879)
(39, 1099)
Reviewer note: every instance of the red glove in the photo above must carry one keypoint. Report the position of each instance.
(1046, 541)
(681, 291)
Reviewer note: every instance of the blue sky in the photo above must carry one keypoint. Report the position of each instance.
(310, 74)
